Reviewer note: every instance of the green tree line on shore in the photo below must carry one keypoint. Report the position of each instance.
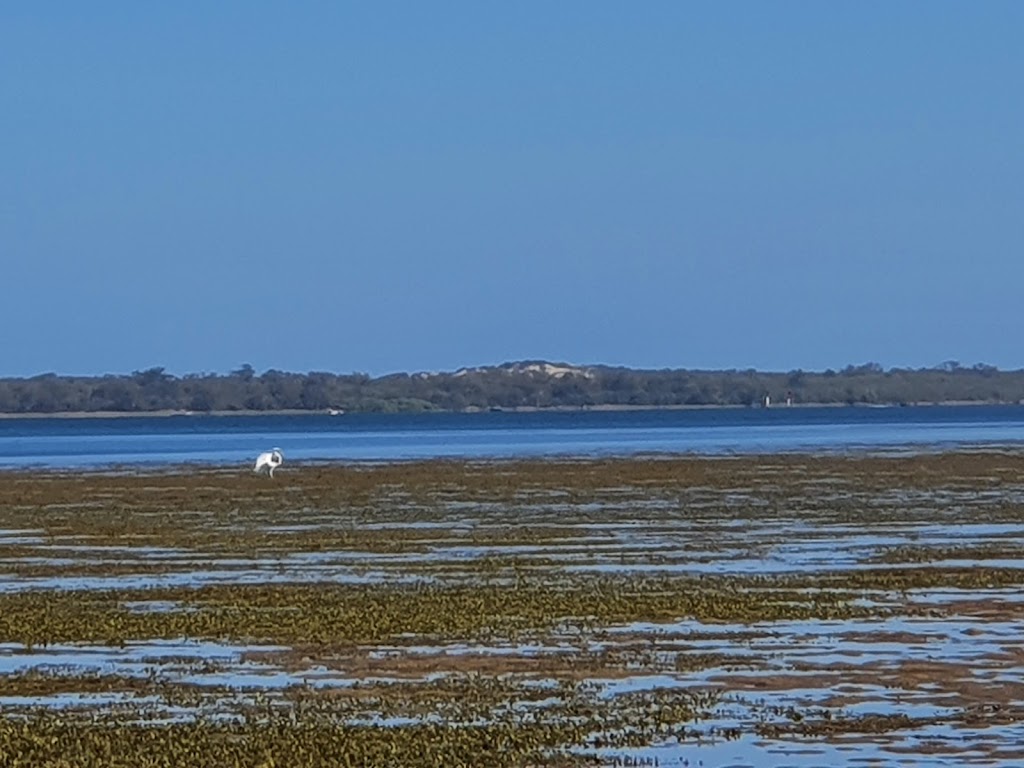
(531, 384)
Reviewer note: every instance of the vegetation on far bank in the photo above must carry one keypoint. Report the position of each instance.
(508, 386)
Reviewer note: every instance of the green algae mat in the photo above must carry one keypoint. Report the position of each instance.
(785, 610)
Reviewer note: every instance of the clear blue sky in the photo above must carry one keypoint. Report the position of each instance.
(395, 186)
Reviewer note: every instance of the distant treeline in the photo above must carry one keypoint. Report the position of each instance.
(513, 385)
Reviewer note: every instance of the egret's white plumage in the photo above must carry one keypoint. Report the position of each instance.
(269, 460)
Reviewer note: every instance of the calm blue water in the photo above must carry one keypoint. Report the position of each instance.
(229, 439)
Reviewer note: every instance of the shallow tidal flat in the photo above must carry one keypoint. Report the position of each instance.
(770, 610)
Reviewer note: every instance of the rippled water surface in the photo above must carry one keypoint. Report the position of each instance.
(224, 439)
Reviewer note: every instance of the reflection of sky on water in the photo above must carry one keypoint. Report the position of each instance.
(198, 579)
(755, 752)
(804, 652)
(135, 658)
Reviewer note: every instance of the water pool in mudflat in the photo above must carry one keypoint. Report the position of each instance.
(795, 609)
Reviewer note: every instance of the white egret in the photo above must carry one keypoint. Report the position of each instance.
(269, 461)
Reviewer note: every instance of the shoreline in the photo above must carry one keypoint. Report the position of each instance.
(306, 467)
(515, 409)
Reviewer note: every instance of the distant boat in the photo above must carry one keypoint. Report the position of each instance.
(335, 411)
